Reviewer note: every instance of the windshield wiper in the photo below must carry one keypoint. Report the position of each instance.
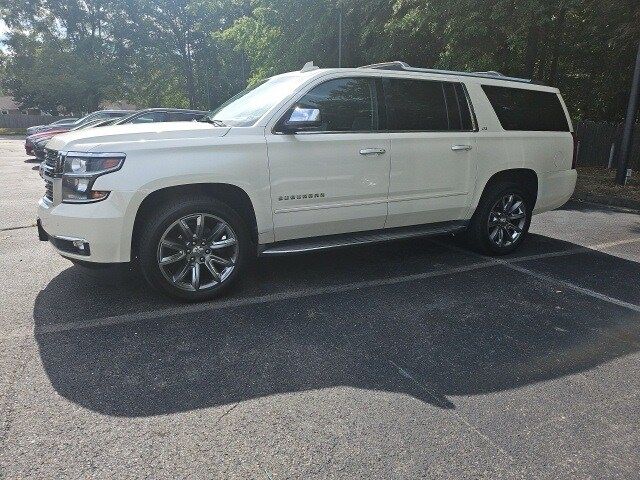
(213, 121)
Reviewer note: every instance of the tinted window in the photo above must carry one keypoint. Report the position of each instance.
(453, 110)
(346, 104)
(463, 105)
(183, 116)
(150, 117)
(520, 109)
(416, 105)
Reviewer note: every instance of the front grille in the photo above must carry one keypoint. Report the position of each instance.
(48, 184)
(51, 159)
(51, 167)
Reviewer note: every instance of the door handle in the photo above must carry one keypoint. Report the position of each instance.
(461, 148)
(372, 151)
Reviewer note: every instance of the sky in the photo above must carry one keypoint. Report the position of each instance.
(3, 33)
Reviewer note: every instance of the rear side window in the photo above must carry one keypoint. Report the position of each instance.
(415, 105)
(463, 105)
(527, 110)
(426, 105)
(345, 104)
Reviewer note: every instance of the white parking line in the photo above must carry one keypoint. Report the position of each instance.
(309, 292)
(572, 286)
(242, 302)
(549, 279)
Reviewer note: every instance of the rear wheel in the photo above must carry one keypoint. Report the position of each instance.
(501, 220)
(194, 249)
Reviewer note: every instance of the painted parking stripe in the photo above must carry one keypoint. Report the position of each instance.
(555, 281)
(308, 292)
(572, 286)
(242, 302)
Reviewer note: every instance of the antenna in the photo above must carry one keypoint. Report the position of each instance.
(308, 67)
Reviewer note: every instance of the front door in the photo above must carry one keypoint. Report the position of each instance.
(433, 155)
(335, 178)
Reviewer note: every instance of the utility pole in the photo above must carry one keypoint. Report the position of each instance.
(339, 36)
(630, 122)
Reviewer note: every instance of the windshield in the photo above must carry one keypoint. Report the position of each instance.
(245, 108)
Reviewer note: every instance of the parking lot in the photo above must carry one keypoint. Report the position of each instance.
(410, 359)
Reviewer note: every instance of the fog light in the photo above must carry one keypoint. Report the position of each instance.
(76, 246)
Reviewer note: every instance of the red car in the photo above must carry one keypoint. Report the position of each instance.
(29, 143)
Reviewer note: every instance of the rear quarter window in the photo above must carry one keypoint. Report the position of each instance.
(527, 110)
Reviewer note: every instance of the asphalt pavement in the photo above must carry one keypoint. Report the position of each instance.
(411, 359)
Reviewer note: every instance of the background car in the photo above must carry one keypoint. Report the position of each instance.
(62, 121)
(97, 115)
(152, 115)
(34, 144)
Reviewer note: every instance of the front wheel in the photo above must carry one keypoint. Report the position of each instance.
(501, 220)
(193, 249)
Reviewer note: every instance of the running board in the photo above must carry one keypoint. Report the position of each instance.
(344, 240)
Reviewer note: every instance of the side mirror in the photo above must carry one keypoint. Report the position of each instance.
(300, 120)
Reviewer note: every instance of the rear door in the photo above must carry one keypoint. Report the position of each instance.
(433, 158)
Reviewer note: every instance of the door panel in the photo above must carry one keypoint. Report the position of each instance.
(429, 181)
(322, 185)
(433, 153)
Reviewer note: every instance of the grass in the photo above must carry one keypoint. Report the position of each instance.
(13, 131)
(597, 184)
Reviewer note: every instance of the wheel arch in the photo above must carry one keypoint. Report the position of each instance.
(230, 194)
(526, 177)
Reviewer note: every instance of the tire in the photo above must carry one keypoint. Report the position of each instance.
(483, 237)
(222, 248)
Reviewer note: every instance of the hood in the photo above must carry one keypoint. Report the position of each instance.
(46, 128)
(46, 134)
(135, 133)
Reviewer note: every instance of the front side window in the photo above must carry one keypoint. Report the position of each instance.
(527, 110)
(416, 105)
(345, 105)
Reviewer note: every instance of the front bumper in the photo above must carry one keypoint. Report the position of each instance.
(91, 232)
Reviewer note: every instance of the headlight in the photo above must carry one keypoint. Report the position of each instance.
(79, 172)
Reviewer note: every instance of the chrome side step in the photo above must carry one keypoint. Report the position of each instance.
(344, 240)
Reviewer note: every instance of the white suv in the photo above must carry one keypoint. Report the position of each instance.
(309, 160)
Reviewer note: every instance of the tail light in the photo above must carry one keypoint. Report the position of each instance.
(574, 162)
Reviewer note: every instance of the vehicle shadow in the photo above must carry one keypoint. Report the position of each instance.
(432, 336)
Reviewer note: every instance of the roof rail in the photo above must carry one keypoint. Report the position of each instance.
(403, 66)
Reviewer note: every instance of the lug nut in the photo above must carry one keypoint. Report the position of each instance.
(202, 259)
(207, 251)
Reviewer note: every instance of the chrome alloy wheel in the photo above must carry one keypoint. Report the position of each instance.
(507, 220)
(197, 252)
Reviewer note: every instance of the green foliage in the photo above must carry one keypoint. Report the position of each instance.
(72, 54)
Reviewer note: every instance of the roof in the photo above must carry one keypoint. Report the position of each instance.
(402, 66)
